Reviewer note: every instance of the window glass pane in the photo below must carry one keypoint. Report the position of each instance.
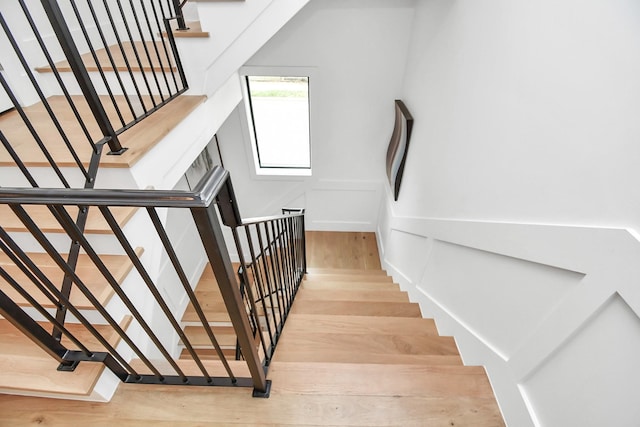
(280, 108)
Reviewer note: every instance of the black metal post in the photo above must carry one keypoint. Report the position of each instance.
(211, 234)
(177, 9)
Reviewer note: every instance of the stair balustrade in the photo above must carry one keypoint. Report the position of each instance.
(272, 266)
(122, 41)
(274, 274)
(119, 58)
(109, 55)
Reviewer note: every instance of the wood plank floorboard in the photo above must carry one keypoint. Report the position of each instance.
(314, 323)
(381, 380)
(347, 278)
(351, 295)
(356, 308)
(347, 356)
(371, 286)
(369, 343)
(135, 404)
(333, 249)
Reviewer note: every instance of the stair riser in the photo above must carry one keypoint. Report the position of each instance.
(45, 177)
(138, 229)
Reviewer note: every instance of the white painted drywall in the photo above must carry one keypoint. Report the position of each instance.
(524, 110)
(526, 114)
(357, 51)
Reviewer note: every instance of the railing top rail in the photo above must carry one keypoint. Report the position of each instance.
(202, 195)
(262, 219)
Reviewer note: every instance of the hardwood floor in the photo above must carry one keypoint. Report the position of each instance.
(334, 249)
(339, 362)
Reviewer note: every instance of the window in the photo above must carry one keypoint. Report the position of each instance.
(278, 110)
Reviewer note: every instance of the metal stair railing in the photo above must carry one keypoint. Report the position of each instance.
(152, 72)
(272, 265)
(284, 251)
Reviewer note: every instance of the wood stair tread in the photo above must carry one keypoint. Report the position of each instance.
(347, 356)
(373, 286)
(336, 324)
(194, 30)
(47, 223)
(351, 295)
(118, 265)
(398, 379)
(198, 337)
(345, 271)
(189, 367)
(212, 306)
(148, 62)
(209, 354)
(347, 278)
(356, 308)
(27, 368)
(369, 343)
(214, 406)
(139, 139)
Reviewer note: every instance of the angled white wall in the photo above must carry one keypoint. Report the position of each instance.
(357, 50)
(516, 225)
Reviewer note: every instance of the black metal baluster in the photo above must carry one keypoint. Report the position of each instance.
(132, 77)
(145, 48)
(64, 299)
(72, 54)
(177, 10)
(33, 132)
(56, 73)
(162, 27)
(276, 280)
(107, 50)
(260, 287)
(279, 268)
(248, 289)
(96, 60)
(267, 281)
(192, 298)
(213, 240)
(135, 51)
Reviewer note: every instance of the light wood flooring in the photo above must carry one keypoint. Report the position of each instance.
(354, 352)
(139, 139)
(333, 249)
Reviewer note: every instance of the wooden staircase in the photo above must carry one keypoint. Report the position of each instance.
(177, 131)
(354, 351)
(353, 336)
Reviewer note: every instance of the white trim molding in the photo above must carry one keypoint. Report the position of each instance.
(552, 311)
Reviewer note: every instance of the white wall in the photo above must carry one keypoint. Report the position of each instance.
(524, 111)
(357, 51)
(516, 222)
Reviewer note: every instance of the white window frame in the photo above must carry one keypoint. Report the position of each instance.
(249, 132)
